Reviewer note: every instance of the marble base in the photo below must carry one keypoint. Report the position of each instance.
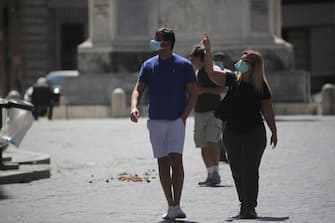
(96, 89)
(102, 70)
(290, 86)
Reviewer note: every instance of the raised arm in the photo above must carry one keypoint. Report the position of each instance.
(135, 98)
(215, 74)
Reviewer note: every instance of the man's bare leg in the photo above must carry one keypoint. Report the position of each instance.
(176, 161)
(165, 178)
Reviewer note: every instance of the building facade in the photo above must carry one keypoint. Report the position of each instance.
(309, 25)
(38, 36)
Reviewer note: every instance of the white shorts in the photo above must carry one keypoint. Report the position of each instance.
(166, 136)
(207, 128)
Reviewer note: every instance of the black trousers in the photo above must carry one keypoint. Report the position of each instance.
(245, 151)
(41, 110)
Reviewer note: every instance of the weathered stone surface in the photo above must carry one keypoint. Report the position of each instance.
(92, 89)
(111, 62)
(289, 86)
(119, 43)
(118, 103)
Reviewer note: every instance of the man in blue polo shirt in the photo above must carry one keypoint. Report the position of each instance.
(172, 86)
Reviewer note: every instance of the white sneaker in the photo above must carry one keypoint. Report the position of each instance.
(174, 212)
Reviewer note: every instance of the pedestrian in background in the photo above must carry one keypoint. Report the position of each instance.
(207, 128)
(248, 98)
(41, 96)
(223, 61)
(172, 87)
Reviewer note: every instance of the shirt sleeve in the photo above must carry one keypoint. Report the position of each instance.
(266, 94)
(189, 74)
(230, 77)
(143, 75)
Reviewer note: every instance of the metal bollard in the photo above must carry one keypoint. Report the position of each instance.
(118, 103)
(328, 99)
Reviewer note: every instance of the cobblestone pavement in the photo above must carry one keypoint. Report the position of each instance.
(297, 181)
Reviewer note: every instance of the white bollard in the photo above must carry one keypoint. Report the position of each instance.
(118, 103)
(328, 99)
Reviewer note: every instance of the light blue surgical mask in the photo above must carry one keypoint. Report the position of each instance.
(242, 66)
(155, 45)
(219, 64)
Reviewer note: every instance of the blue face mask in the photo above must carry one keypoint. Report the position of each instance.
(242, 66)
(219, 64)
(155, 45)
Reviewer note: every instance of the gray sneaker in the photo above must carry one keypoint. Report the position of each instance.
(214, 179)
(168, 214)
(204, 183)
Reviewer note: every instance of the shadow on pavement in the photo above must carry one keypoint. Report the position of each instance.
(297, 120)
(177, 221)
(3, 195)
(217, 186)
(272, 218)
(260, 218)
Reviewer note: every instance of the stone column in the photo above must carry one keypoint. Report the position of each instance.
(119, 35)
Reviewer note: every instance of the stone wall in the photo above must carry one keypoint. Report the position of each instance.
(34, 37)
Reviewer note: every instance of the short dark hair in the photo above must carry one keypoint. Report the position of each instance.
(168, 35)
(219, 56)
(199, 52)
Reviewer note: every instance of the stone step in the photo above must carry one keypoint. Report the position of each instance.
(34, 40)
(26, 157)
(37, 30)
(34, 11)
(34, 56)
(36, 64)
(33, 74)
(35, 3)
(6, 158)
(7, 165)
(34, 21)
(25, 174)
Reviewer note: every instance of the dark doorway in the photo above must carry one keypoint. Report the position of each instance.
(72, 34)
(300, 39)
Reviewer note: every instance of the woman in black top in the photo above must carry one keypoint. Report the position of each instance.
(245, 135)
